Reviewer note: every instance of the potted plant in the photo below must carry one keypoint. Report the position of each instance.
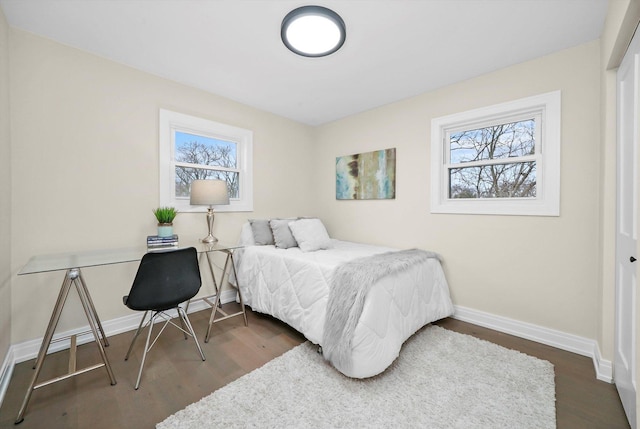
(165, 216)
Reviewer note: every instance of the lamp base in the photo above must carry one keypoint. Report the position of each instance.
(209, 239)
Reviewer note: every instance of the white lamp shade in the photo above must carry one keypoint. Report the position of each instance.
(209, 193)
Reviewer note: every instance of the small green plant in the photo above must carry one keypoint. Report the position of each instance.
(165, 214)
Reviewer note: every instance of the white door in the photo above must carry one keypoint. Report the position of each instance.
(626, 228)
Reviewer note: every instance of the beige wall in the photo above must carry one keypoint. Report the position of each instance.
(5, 193)
(85, 138)
(85, 170)
(84, 135)
(540, 270)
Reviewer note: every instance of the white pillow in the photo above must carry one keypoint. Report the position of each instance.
(310, 234)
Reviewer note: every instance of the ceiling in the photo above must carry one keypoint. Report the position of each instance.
(394, 49)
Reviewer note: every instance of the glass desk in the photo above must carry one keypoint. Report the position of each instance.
(72, 263)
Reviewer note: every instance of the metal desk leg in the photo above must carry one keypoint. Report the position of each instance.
(72, 277)
(93, 308)
(48, 335)
(216, 305)
(213, 276)
(94, 322)
(235, 274)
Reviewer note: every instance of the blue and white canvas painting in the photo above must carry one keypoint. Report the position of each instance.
(366, 176)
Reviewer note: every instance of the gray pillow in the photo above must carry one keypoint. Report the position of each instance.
(261, 231)
(282, 234)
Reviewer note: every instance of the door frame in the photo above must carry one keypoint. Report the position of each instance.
(627, 197)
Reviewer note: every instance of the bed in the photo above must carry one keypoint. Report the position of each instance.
(358, 302)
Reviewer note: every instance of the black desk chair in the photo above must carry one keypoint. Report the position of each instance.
(164, 280)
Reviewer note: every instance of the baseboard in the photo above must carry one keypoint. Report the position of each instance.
(561, 340)
(29, 349)
(583, 346)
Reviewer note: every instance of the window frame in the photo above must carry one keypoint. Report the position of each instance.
(170, 122)
(546, 107)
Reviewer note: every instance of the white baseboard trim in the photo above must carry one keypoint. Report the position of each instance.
(583, 346)
(29, 349)
(561, 340)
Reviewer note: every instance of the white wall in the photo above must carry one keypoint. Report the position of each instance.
(539, 270)
(5, 193)
(85, 170)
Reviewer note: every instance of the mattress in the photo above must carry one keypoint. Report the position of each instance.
(294, 287)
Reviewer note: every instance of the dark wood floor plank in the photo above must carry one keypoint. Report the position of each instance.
(175, 376)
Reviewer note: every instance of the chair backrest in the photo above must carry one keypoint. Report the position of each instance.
(165, 279)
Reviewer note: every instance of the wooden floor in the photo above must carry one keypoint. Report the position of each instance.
(174, 377)
(582, 401)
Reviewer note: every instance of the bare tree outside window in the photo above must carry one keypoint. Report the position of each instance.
(200, 157)
(494, 161)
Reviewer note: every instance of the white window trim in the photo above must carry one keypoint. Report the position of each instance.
(547, 201)
(170, 121)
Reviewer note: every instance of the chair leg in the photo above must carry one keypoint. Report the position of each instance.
(186, 310)
(184, 329)
(144, 316)
(146, 348)
(183, 316)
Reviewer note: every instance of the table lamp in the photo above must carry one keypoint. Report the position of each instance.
(209, 193)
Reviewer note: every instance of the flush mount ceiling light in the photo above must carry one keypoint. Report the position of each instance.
(313, 31)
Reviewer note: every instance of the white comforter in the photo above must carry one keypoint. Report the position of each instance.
(293, 286)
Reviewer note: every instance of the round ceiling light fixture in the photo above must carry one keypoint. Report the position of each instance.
(313, 31)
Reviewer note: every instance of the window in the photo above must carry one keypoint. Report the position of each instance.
(503, 159)
(194, 148)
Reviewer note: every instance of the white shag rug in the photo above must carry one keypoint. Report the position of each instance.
(442, 379)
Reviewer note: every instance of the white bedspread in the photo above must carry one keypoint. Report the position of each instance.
(293, 286)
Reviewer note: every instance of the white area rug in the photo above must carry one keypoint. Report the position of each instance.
(442, 379)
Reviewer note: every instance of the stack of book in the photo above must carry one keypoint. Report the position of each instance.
(156, 242)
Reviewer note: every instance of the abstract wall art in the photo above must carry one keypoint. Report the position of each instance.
(366, 176)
